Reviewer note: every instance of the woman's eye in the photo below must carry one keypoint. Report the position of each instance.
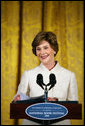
(38, 49)
(46, 47)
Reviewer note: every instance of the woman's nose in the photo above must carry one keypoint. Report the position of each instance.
(42, 51)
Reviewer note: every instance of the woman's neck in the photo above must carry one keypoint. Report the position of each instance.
(50, 66)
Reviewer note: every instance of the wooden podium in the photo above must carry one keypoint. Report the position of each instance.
(17, 111)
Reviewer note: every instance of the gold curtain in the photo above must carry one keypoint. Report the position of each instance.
(20, 22)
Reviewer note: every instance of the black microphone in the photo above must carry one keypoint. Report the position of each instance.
(39, 80)
(52, 80)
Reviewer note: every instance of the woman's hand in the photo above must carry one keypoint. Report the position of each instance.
(17, 98)
(52, 99)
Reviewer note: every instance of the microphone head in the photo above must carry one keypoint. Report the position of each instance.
(39, 80)
(52, 79)
(52, 82)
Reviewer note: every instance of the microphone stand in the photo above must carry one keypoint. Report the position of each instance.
(46, 93)
(46, 122)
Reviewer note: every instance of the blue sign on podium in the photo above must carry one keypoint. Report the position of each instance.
(46, 111)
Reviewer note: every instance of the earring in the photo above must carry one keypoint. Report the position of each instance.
(54, 52)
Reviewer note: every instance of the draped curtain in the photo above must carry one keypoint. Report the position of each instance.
(20, 22)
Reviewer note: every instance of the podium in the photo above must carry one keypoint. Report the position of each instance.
(17, 111)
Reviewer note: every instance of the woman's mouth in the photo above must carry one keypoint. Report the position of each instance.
(44, 57)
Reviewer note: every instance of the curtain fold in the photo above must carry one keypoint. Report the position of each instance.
(9, 56)
(20, 22)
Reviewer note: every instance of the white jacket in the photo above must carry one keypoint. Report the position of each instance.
(64, 89)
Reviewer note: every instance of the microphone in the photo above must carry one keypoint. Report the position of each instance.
(39, 80)
(52, 80)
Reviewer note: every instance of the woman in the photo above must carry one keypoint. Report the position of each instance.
(45, 47)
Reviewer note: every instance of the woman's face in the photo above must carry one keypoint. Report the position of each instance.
(45, 53)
